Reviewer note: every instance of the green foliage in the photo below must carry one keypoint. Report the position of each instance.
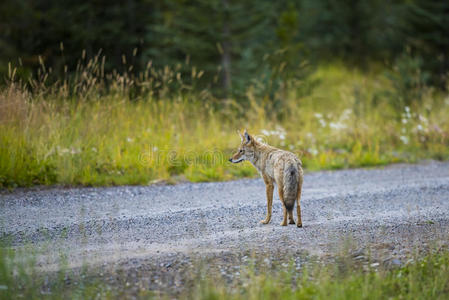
(58, 32)
(109, 138)
(357, 32)
(427, 33)
(18, 164)
(409, 80)
(287, 67)
(221, 38)
(232, 44)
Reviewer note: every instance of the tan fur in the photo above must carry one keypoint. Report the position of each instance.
(275, 166)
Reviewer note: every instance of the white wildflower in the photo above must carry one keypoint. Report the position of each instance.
(407, 112)
(280, 132)
(419, 127)
(337, 125)
(318, 116)
(423, 119)
(313, 151)
(404, 139)
(346, 114)
(404, 121)
(130, 140)
(94, 149)
(75, 151)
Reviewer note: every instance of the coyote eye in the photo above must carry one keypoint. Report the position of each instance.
(241, 151)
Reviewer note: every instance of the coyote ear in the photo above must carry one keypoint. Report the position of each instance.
(241, 136)
(247, 137)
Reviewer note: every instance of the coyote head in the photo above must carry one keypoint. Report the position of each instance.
(246, 149)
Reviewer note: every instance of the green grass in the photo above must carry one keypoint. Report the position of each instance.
(105, 138)
(424, 278)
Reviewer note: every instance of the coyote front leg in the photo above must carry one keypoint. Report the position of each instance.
(269, 189)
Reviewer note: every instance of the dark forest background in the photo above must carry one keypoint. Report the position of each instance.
(231, 41)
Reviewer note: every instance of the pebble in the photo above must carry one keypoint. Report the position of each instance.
(395, 262)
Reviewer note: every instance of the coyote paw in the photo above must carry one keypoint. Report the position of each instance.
(299, 225)
(291, 221)
(265, 221)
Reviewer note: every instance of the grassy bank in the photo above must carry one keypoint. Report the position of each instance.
(424, 278)
(348, 120)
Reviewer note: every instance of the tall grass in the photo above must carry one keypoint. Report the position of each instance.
(78, 132)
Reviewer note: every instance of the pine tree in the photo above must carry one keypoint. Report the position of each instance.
(220, 37)
(428, 33)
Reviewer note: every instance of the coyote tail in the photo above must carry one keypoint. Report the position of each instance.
(291, 178)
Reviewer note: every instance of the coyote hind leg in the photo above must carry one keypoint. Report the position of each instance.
(290, 217)
(298, 204)
(281, 196)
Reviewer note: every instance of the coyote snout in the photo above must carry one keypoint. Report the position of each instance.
(275, 166)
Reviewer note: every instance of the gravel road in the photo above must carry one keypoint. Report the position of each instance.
(391, 211)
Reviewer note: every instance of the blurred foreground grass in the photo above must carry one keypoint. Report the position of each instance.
(426, 277)
(347, 120)
(423, 279)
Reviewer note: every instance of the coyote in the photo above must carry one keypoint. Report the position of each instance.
(275, 166)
